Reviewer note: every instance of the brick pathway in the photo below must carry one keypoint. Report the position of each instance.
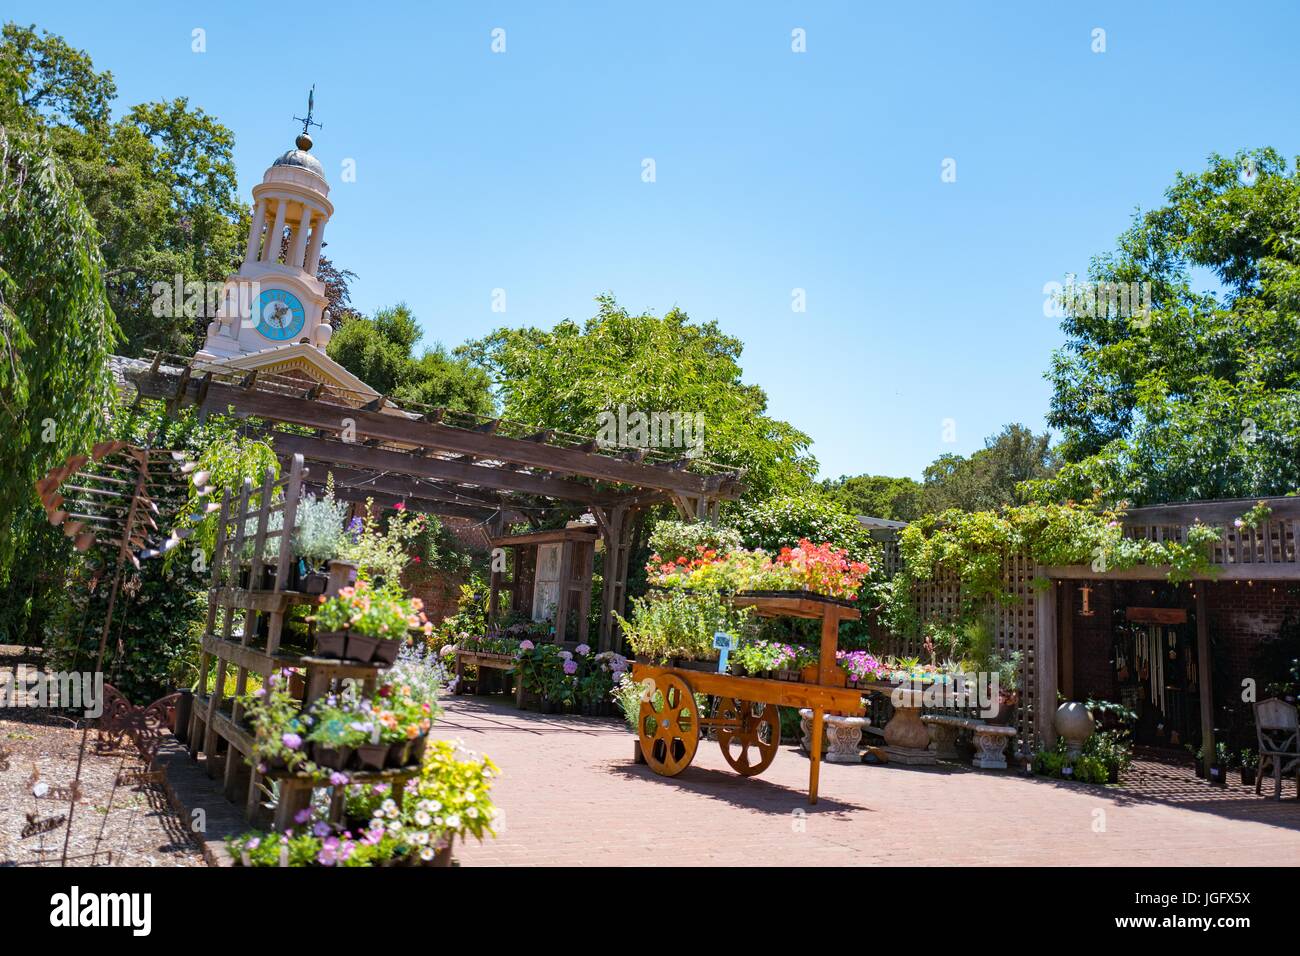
(572, 796)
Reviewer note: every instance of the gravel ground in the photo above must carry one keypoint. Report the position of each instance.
(127, 825)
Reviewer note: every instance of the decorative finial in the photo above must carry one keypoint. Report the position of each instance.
(304, 138)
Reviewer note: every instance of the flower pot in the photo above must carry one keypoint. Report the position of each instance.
(1200, 769)
(1006, 710)
(314, 582)
(361, 647)
(335, 758)
(808, 674)
(1218, 775)
(331, 643)
(399, 753)
(341, 574)
(418, 746)
(386, 652)
(372, 756)
(1075, 724)
(1247, 776)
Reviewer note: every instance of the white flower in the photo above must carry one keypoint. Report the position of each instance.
(453, 820)
(472, 813)
(426, 853)
(423, 818)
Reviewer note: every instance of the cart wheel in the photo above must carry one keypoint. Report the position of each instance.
(669, 725)
(750, 735)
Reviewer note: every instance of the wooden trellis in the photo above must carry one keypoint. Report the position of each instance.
(243, 634)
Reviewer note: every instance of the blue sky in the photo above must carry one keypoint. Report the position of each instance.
(774, 170)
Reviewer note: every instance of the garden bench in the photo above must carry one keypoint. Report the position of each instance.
(484, 662)
(990, 739)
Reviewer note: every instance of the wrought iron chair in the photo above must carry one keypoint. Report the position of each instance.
(1278, 732)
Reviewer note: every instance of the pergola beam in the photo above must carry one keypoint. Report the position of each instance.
(412, 431)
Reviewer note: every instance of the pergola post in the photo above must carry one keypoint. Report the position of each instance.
(616, 527)
(1045, 663)
(1204, 666)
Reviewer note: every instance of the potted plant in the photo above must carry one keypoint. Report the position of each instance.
(1249, 767)
(278, 726)
(336, 733)
(317, 539)
(1219, 768)
(369, 616)
(859, 666)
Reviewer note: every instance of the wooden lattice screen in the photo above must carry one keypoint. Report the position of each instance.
(1014, 625)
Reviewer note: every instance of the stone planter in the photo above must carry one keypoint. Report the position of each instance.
(1075, 725)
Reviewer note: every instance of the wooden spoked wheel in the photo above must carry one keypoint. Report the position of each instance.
(749, 733)
(669, 725)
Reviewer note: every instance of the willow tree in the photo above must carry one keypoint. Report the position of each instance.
(56, 331)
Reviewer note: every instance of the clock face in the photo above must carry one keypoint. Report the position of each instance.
(280, 314)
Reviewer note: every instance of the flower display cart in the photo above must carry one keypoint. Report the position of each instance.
(745, 718)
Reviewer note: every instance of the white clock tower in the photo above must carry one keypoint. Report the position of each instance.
(273, 315)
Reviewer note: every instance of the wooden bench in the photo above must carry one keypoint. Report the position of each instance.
(990, 739)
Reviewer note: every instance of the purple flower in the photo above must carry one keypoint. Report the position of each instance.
(570, 667)
(292, 741)
(338, 779)
(302, 816)
(321, 829)
(582, 650)
(526, 645)
(253, 844)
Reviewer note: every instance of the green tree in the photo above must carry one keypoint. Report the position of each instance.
(56, 330)
(566, 377)
(159, 183)
(895, 499)
(990, 477)
(1200, 396)
(380, 351)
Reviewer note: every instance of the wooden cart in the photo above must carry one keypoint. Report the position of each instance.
(744, 712)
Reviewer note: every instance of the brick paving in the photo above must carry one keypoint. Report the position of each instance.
(572, 795)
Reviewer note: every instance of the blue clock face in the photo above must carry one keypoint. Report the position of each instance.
(280, 315)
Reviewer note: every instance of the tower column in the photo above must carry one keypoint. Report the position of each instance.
(271, 250)
(255, 232)
(313, 250)
(299, 247)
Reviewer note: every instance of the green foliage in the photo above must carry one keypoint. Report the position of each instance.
(228, 459)
(991, 477)
(56, 331)
(780, 522)
(1198, 399)
(673, 539)
(379, 352)
(567, 376)
(682, 623)
(878, 496)
(973, 546)
(159, 183)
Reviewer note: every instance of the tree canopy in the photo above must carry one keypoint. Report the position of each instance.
(380, 351)
(159, 183)
(566, 377)
(1200, 397)
(56, 329)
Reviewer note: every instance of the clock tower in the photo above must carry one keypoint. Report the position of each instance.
(275, 298)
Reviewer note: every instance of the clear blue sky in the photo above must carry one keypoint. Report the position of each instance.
(775, 170)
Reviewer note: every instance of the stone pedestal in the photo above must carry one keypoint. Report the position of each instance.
(844, 734)
(990, 746)
(805, 727)
(907, 739)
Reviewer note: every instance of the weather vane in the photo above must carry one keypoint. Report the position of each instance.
(311, 106)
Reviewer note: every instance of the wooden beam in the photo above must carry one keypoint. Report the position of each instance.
(431, 506)
(1210, 512)
(482, 476)
(1228, 572)
(1067, 639)
(1205, 665)
(399, 428)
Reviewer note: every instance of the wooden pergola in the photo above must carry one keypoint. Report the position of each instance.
(441, 462)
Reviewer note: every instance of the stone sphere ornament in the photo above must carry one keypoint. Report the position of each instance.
(1075, 724)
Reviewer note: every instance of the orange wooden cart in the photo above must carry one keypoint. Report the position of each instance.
(744, 713)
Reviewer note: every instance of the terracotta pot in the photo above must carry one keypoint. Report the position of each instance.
(361, 647)
(386, 652)
(331, 643)
(372, 756)
(335, 758)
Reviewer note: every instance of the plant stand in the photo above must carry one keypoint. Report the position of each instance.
(844, 735)
(991, 745)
